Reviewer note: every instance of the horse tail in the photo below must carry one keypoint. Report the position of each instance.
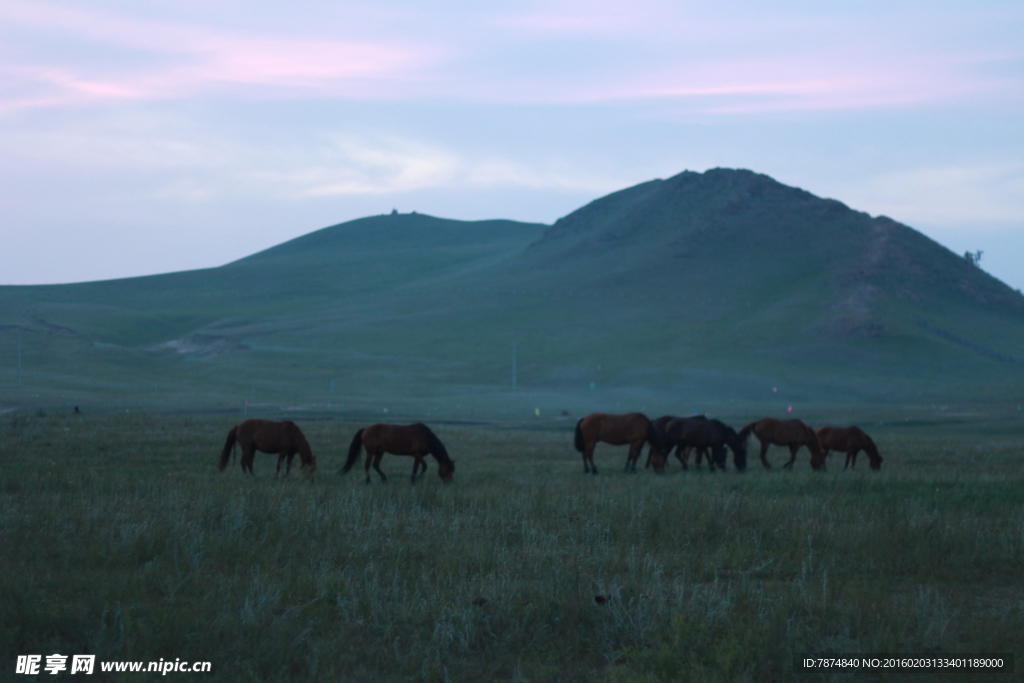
(578, 437)
(437, 448)
(229, 446)
(353, 451)
(744, 433)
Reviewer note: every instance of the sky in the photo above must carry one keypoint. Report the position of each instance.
(153, 136)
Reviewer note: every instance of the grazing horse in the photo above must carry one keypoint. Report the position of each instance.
(284, 438)
(699, 432)
(632, 428)
(416, 440)
(851, 440)
(682, 452)
(792, 433)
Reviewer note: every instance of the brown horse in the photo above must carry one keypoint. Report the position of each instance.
(702, 434)
(632, 428)
(792, 433)
(850, 440)
(416, 440)
(283, 438)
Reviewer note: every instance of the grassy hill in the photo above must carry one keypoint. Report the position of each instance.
(705, 289)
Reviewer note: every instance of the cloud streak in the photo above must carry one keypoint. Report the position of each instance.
(622, 53)
(166, 60)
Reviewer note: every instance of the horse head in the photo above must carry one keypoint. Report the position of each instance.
(874, 458)
(658, 457)
(309, 467)
(817, 456)
(446, 470)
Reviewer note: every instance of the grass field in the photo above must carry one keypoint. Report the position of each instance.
(121, 540)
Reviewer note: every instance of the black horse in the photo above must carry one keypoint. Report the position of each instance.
(703, 434)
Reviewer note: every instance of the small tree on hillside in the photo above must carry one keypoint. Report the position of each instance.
(975, 258)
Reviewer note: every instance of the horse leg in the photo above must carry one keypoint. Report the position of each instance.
(764, 452)
(416, 462)
(634, 455)
(369, 461)
(248, 456)
(280, 459)
(683, 455)
(793, 448)
(588, 456)
(851, 458)
(376, 465)
(717, 457)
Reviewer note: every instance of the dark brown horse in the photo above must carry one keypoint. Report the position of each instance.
(682, 452)
(850, 440)
(284, 438)
(698, 432)
(632, 428)
(416, 440)
(792, 433)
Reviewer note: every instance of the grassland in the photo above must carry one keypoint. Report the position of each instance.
(121, 540)
(719, 285)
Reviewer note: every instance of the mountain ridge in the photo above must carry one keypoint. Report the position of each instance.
(724, 274)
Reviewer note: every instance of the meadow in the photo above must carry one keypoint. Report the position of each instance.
(121, 539)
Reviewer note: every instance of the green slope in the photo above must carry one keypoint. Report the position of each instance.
(702, 288)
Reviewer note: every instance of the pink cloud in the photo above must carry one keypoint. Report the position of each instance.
(191, 60)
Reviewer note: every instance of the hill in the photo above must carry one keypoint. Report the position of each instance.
(702, 289)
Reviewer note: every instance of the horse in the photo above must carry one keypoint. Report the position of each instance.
(698, 432)
(681, 451)
(792, 433)
(851, 440)
(631, 428)
(416, 440)
(284, 438)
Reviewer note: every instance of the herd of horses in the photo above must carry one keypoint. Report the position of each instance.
(709, 438)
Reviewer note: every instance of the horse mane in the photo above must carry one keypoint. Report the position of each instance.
(872, 449)
(578, 438)
(229, 446)
(437, 448)
(353, 451)
(301, 443)
(814, 441)
(654, 437)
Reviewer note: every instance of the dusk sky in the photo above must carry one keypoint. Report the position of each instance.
(148, 136)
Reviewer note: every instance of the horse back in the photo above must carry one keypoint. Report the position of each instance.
(616, 429)
(398, 439)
